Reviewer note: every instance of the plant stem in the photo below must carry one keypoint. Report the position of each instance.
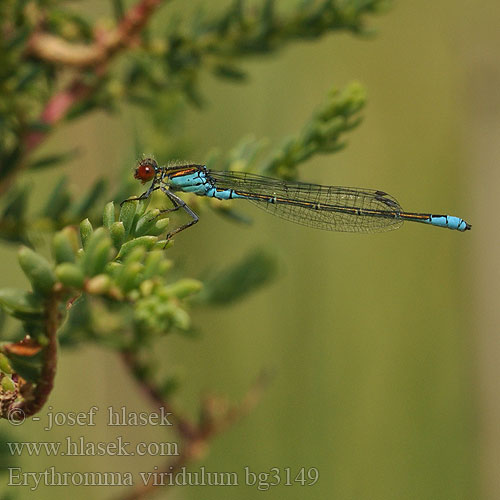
(33, 402)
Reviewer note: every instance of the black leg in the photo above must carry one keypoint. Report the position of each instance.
(167, 210)
(179, 203)
(143, 196)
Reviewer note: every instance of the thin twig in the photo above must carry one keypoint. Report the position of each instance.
(185, 428)
(236, 412)
(56, 109)
(171, 468)
(195, 443)
(56, 50)
(37, 395)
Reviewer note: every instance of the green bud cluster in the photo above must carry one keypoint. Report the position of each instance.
(123, 261)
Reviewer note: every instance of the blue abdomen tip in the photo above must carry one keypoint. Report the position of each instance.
(450, 222)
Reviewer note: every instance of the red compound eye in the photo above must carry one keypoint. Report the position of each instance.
(145, 171)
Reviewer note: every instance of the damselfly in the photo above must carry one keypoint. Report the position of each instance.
(333, 208)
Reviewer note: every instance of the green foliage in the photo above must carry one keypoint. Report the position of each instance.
(233, 283)
(123, 285)
(19, 224)
(322, 134)
(28, 367)
(38, 271)
(20, 304)
(221, 42)
(108, 278)
(164, 63)
(339, 114)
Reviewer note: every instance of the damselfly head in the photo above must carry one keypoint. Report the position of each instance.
(146, 170)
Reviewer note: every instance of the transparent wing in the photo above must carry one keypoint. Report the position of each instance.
(332, 208)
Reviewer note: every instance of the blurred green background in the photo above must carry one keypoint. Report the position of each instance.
(383, 346)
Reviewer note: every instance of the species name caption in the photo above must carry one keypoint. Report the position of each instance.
(71, 446)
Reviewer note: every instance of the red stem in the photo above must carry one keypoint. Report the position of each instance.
(34, 401)
(55, 110)
(57, 51)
